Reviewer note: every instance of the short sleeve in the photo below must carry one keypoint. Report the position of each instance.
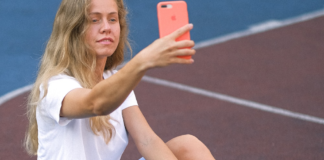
(130, 101)
(58, 87)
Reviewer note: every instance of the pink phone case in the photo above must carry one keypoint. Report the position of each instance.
(173, 15)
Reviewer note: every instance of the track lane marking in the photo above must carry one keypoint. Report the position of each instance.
(231, 99)
(258, 28)
(15, 93)
(198, 91)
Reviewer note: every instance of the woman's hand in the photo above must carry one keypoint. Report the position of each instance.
(164, 51)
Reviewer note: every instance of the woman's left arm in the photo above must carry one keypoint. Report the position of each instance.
(150, 146)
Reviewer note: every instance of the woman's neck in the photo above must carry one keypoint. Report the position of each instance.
(100, 67)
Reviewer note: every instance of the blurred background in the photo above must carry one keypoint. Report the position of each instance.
(26, 26)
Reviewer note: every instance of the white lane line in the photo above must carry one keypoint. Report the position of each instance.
(234, 100)
(258, 28)
(15, 93)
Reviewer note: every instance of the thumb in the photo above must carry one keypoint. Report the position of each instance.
(181, 31)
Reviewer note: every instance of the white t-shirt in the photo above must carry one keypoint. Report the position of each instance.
(72, 139)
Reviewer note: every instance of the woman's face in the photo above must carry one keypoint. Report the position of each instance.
(104, 29)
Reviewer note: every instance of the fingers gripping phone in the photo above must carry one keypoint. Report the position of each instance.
(173, 15)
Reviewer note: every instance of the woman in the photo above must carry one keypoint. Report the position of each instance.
(79, 106)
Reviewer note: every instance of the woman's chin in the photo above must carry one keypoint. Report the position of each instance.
(104, 54)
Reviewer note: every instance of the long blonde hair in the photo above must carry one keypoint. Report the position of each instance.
(66, 50)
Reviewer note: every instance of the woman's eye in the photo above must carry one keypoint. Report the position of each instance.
(113, 20)
(94, 20)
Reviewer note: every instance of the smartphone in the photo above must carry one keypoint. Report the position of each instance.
(173, 15)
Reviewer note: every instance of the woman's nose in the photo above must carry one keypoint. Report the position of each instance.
(105, 28)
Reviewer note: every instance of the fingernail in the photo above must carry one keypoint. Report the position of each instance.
(190, 25)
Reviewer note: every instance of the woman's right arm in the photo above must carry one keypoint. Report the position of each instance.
(110, 93)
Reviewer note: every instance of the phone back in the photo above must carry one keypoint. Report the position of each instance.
(173, 15)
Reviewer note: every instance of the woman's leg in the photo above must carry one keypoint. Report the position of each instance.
(188, 147)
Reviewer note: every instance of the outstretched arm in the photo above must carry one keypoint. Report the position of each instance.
(108, 94)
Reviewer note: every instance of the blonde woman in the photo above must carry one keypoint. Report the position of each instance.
(79, 106)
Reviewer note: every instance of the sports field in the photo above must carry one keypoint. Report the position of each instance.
(255, 90)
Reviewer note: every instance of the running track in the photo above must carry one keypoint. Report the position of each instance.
(281, 69)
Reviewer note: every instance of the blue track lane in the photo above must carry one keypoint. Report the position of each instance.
(26, 26)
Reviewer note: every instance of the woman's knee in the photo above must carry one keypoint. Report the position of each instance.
(186, 144)
(189, 147)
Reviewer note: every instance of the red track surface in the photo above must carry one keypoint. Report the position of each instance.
(281, 68)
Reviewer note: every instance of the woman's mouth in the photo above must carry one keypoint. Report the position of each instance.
(106, 41)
